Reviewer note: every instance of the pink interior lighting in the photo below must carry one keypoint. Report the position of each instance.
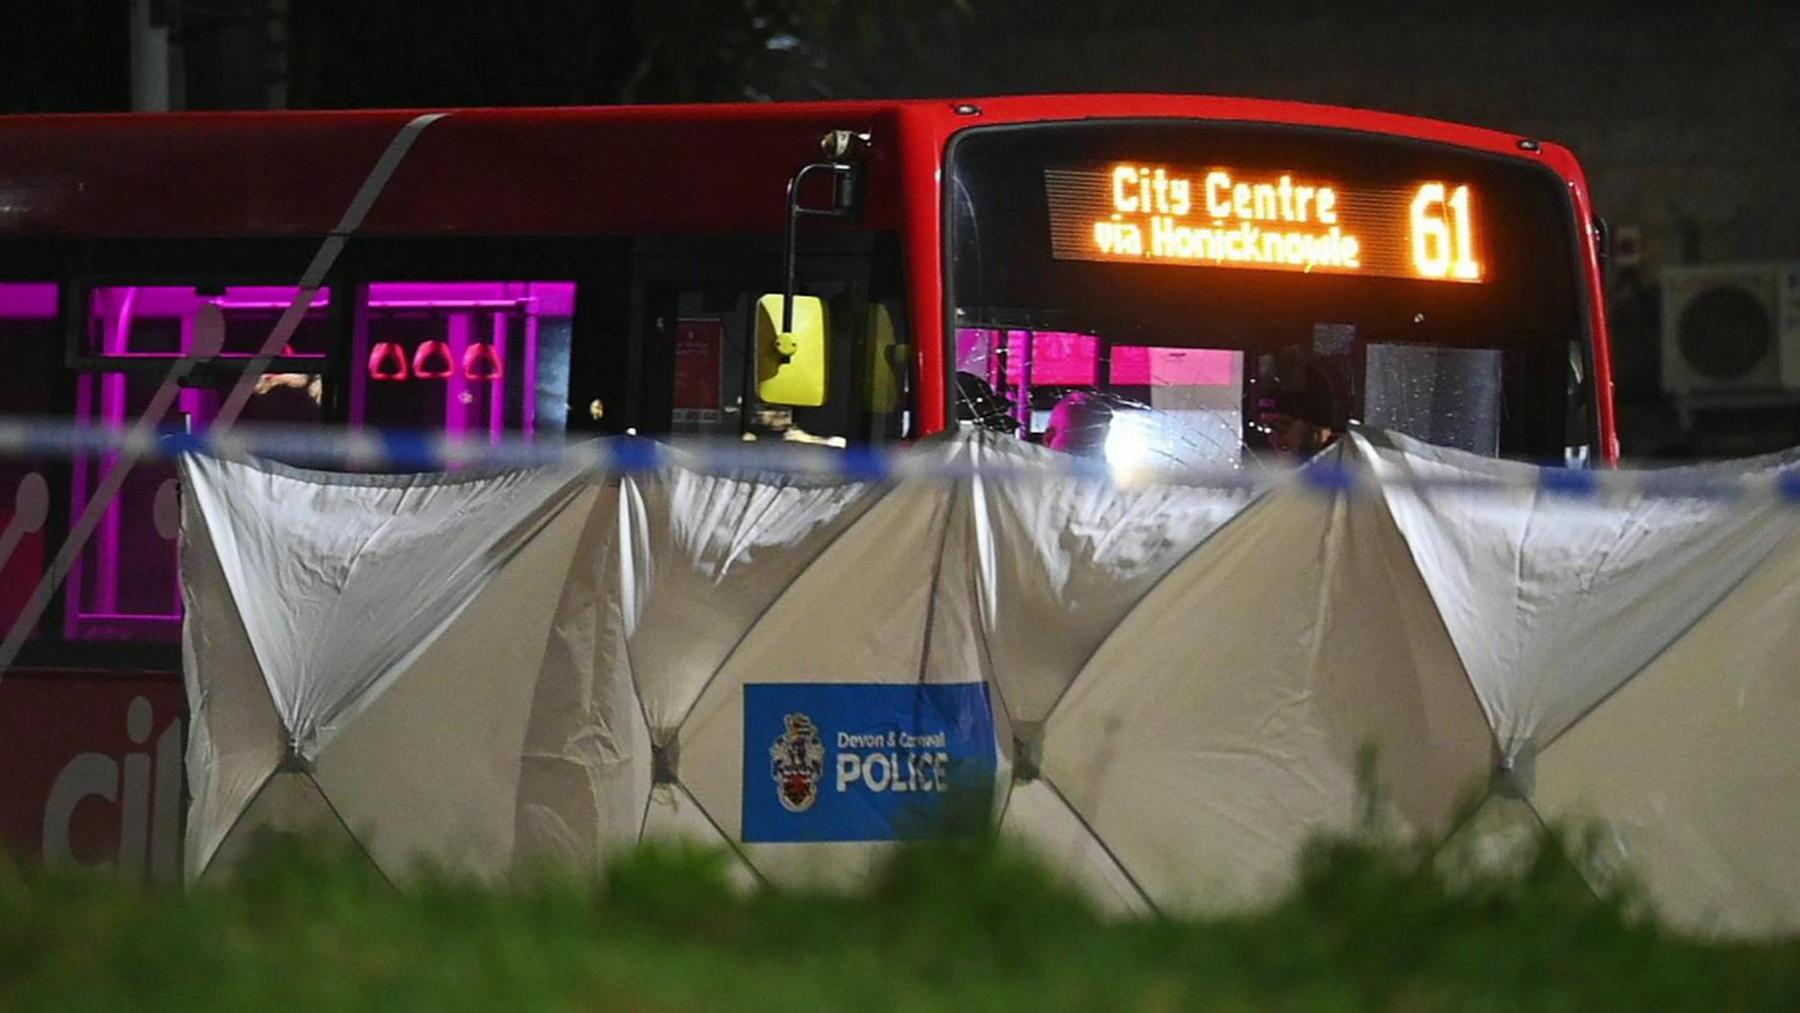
(115, 307)
(36, 303)
(1060, 358)
(1064, 358)
(513, 310)
(28, 301)
(489, 370)
(463, 359)
(1136, 366)
(96, 611)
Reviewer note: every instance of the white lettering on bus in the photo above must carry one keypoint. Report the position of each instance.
(149, 833)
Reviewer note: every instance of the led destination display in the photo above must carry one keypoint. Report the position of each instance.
(1226, 217)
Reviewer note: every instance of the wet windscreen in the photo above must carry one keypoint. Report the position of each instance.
(1206, 294)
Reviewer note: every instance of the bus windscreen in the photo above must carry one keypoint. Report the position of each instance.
(1353, 278)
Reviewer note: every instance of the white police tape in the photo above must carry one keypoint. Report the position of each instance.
(399, 450)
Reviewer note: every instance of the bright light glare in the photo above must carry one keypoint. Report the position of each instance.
(1130, 442)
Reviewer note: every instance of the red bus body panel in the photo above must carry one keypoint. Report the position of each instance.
(606, 169)
(91, 769)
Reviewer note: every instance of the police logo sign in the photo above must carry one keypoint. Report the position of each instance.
(863, 762)
(796, 762)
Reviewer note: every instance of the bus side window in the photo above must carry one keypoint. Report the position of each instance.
(125, 339)
(694, 336)
(477, 359)
(697, 358)
(33, 349)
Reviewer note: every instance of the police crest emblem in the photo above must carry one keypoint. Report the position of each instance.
(797, 763)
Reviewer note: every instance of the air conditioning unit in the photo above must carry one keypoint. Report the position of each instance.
(1731, 332)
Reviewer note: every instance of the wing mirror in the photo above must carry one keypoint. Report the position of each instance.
(793, 331)
(792, 353)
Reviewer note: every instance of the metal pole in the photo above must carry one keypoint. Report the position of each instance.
(788, 251)
(149, 60)
(789, 241)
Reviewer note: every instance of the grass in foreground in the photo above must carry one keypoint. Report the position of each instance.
(965, 926)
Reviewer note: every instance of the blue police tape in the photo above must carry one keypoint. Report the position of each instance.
(416, 450)
(1787, 485)
(1327, 477)
(1568, 482)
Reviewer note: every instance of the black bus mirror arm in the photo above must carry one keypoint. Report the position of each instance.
(846, 194)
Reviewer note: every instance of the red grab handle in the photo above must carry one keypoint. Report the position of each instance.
(387, 362)
(481, 362)
(432, 361)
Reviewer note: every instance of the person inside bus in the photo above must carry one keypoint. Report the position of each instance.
(1295, 425)
(1080, 422)
(1301, 406)
(276, 400)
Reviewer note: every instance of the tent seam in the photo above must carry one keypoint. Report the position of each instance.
(631, 672)
(1255, 502)
(871, 502)
(1111, 855)
(236, 820)
(644, 817)
(1670, 645)
(214, 523)
(937, 576)
(1437, 611)
(1544, 829)
(990, 675)
(735, 846)
(497, 554)
(323, 797)
(1437, 614)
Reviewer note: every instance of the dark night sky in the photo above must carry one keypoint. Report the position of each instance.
(1529, 59)
(62, 57)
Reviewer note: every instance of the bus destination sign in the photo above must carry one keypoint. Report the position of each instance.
(1228, 217)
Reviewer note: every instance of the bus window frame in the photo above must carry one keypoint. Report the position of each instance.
(76, 267)
(47, 646)
(182, 262)
(594, 263)
(1566, 205)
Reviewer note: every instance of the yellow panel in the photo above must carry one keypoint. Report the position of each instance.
(887, 360)
(792, 368)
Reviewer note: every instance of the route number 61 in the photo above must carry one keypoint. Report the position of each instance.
(1443, 239)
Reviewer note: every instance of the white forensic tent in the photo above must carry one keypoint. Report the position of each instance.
(1054, 566)
(1634, 655)
(1221, 722)
(352, 650)
(1168, 688)
(692, 585)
